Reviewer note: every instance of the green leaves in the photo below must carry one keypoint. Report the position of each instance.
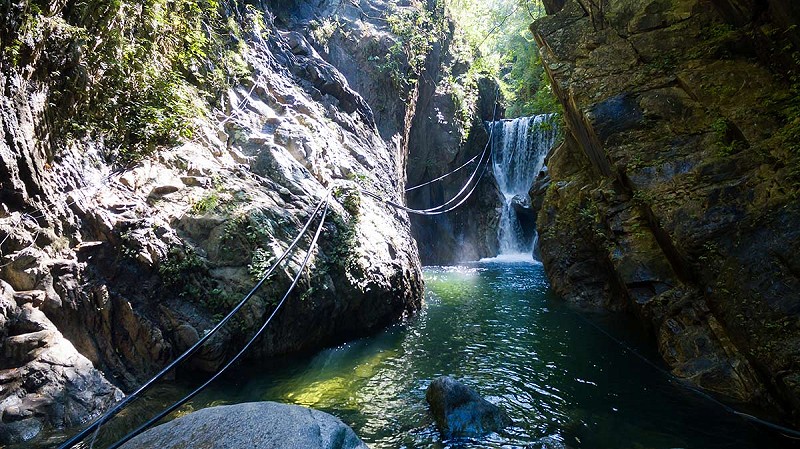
(140, 72)
(503, 45)
(417, 29)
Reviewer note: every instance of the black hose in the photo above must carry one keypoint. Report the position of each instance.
(444, 175)
(442, 208)
(427, 212)
(481, 155)
(194, 393)
(128, 399)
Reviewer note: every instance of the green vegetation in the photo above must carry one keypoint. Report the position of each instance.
(726, 145)
(339, 250)
(349, 198)
(178, 266)
(323, 30)
(133, 75)
(504, 47)
(417, 29)
(492, 38)
(259, 264)
(207, 203)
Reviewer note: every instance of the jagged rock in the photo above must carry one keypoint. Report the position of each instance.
(45, 381)
(461, 412)
(135, 263)
(422, 119)
(663, 196)
(259, 425)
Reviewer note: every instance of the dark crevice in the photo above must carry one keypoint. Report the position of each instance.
(676, 260)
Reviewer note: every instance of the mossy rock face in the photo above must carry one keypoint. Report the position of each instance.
(673, 195)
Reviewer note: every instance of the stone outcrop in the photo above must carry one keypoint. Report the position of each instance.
(674, 194)
(45, 380)
(262, 425)
(461, 412)
(131, 265)
(435, 117)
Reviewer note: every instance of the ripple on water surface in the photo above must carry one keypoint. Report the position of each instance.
(496, 326)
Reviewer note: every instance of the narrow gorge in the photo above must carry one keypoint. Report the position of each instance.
(585, 210)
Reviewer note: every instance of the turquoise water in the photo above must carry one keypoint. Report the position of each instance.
(498, 328)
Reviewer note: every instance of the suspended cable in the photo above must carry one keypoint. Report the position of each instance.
(443, 208)
(784, 431)
(424, 212)
(189, 396)
(443, 176)
(486, 150)
(494, 116)
(125, 401)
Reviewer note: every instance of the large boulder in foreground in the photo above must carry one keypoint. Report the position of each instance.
(461, 412)
(254, 425)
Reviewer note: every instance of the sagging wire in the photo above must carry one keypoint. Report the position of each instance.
(138, 392)
(443, 208)
(241, 352)
(491, 131)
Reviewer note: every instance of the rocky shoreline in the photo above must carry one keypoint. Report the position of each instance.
(115, 271)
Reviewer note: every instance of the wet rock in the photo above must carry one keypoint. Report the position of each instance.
(461, 412)
(45, 381)
(658, 202)
(13, 431)
(251, 425)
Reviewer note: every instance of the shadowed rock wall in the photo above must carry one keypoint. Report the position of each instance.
(675, 194)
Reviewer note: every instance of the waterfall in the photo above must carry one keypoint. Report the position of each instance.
(519, 149)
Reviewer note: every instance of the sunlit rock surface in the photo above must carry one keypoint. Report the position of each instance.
(133, 265)
(436, 120)
(263, 425)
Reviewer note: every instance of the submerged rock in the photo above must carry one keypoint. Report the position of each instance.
(254, 425)
(461, 412)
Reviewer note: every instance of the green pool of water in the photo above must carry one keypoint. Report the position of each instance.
(498, 328)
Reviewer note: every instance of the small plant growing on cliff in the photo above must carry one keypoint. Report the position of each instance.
(350, 199)
(726, 144)
(207, 203)
(183, 271)
(260, 263)
(643, 198)
(340, 250)
(323, 30)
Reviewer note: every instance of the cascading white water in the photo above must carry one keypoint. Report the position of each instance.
(519, 149)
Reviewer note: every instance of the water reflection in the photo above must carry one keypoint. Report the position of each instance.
(497, 327)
